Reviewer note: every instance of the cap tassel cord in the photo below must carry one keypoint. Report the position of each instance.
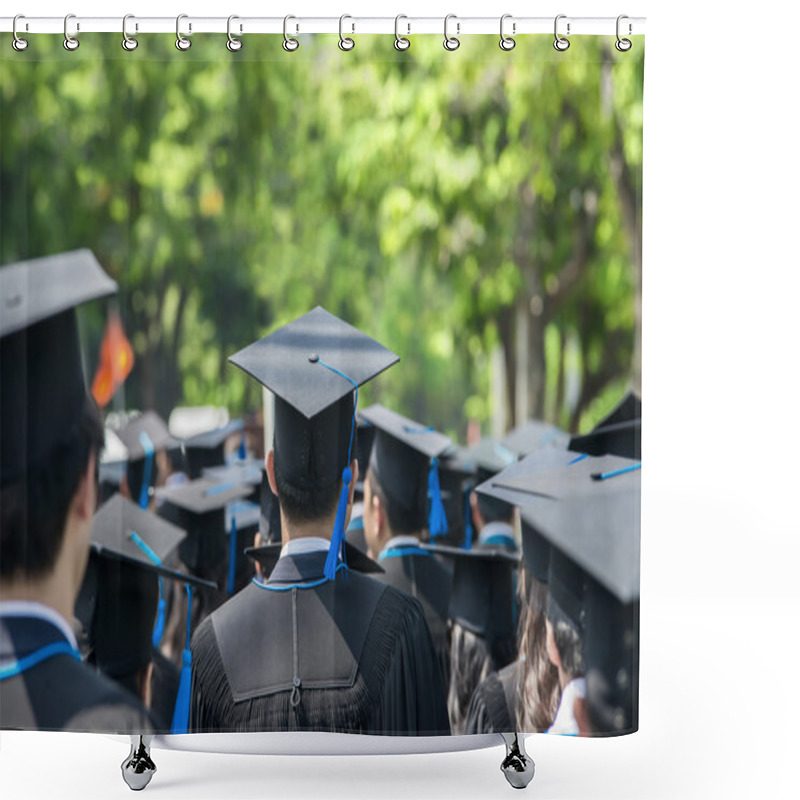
(144, 492)
(242, 449)
(232, 556)
(158, 630)
(468, 532)
(180, 717)
(437, 519)
(337, 537)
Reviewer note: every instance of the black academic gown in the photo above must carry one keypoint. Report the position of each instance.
(351, 655)
(60, 693)
(492, 709)
(423, 576)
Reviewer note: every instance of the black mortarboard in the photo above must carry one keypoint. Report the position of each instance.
(268, 555)
(620, 433)
(199, 508)
(490, 457)
(456, 479)
(304, 364)
(403, 455)
(119, 599)
(533, 435)
(42, 386)
(482, 597)
(248, 471)
(207, 449)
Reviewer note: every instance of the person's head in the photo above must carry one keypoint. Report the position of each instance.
(486, 509)
(538, 690)
(50, 431)
(308, 488)
(314, 366)
(402, 464)
(47, 512)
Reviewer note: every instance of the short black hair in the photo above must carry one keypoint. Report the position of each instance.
(33, 508)
(400, 521)
(569, 644)
(305, 505)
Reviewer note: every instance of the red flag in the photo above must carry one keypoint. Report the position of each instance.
(116, 361)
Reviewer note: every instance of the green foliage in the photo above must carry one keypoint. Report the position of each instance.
(420, 195)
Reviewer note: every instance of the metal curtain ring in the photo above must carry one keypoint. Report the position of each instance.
(290, 44)
(17, 43)
(234, 44)
(182, 43)
(506, 42)
(128, 42)
(561, 44)
(400, 42)
(70, 42)
(623, 45)
(450, 42)
(345, 42)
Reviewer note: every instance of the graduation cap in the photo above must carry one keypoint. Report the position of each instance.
(620, 433)
(404, 460)
(314, 366)
(364, 440)
(199, 507)
(482, 597)
(119, 605)
(144, 435)
(533, 435)
(207, 449)
(130, 549)
(42, 390)
(456, 479)
(267, 556)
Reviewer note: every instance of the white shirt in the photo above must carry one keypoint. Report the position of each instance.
(307, 544)
(401, 541)
(565, 723)
(28, 608)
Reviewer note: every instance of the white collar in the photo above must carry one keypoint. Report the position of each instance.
(565, 722)
(495, 529)
(401, 541)
(306, 544)
(29, 608)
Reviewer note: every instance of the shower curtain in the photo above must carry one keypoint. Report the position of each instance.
(478, 211)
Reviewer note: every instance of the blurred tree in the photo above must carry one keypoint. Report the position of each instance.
(449, 204)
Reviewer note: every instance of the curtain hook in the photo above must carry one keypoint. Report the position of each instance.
(345, 42)
(561, 44)
(400, 42)
(623, 45)
(70, 42)
(290, 44)
(182, 43)
(234, 44)
(128, 42)
(450, 43)
(506, 42)
(17, 43)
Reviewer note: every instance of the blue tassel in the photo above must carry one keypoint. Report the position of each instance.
(180, 717)
(158, 631)
(468, 530)
(437, 520)
(337, 538)
(232, 556)
(242, 449)
(144, 493)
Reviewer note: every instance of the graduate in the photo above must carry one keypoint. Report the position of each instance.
(121, 603)
(50, 440)
(316, 645)
(401, 482)
(482, 621)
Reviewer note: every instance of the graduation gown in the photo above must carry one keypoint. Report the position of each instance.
(351, 655)
(492, 709)
(423, 576)
(60, 693)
